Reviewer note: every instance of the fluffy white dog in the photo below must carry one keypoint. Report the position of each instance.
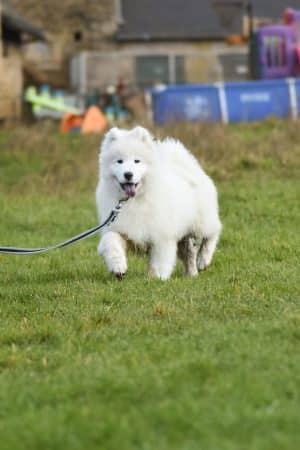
(171, 204)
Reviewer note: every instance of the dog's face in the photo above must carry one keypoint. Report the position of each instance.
(128, 171)
(126, 158)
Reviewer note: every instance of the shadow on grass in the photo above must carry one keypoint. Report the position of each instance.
(46, 276)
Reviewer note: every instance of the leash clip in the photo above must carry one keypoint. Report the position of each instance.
(116, 211)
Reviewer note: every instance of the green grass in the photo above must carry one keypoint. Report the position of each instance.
(210, 363)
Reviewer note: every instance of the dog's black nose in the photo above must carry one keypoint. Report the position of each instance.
(128, 176)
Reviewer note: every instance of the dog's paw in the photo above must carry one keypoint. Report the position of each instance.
(191, 272)
(203, 262)
(119, 276)
(119, 268)
(155, 272)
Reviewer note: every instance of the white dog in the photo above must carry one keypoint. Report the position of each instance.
(171, 204)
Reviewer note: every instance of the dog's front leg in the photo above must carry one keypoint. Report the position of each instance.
(163, 259)
(113, 249)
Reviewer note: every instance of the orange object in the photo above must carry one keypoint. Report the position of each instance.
(71, 122)
(94, 121)
(235, 39)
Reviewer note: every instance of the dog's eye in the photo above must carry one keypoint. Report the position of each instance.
(120, 161)
(137, 161)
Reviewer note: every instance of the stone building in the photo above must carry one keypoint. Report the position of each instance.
(142, 41)
(70, 27)
(13, 29)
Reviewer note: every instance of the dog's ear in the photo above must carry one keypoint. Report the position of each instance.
(112, 134)
(142, 134)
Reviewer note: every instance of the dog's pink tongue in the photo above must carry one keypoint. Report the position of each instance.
(130, 190)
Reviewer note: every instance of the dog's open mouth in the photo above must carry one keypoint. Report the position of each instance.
(129, 189)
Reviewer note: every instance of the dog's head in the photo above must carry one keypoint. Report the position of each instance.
(126, 158)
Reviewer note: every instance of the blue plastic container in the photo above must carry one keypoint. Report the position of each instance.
(186, 103)
(243, 101)
(256, 100)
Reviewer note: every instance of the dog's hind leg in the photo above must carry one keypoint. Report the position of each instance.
(187, 251)
(207, 249)
(113, 249)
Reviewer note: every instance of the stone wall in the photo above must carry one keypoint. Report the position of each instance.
(70, 26)
(94, 19)
(11, 83)
(207, 63)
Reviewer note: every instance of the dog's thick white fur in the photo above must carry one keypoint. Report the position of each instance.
(171, 204)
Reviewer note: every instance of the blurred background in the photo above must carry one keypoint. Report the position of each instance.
(61, 57)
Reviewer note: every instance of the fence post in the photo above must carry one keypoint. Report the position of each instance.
(223, 102)
(293, 97)
(1, 50)
(172, 68)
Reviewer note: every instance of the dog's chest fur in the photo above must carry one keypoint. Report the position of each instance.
(138, 221)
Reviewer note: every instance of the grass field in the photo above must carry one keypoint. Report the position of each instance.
(210, 363)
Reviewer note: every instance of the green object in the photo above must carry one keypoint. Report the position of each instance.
(45, 100)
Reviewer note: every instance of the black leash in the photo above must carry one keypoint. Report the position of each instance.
(30, 251)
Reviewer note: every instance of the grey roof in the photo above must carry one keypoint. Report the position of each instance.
(273, 8)
(14, 21)
(186, 19)
(171, 19)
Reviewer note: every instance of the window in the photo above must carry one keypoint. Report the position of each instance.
(159, 69)
(78, 36)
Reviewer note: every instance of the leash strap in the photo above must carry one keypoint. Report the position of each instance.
(30, 251)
